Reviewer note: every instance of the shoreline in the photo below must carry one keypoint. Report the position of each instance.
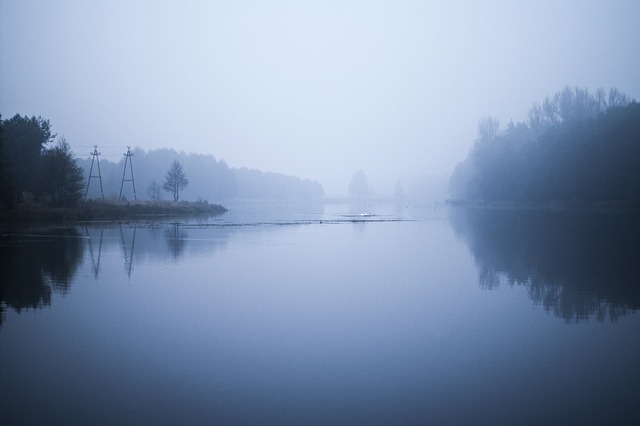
(548, 206)
(92, 210)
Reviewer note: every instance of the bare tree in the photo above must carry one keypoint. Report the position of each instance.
(175, 180)
(154, 191)
(488, 129)
(617, 99)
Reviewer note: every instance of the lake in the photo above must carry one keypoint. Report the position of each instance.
(318, 314)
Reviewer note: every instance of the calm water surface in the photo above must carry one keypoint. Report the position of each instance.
(315, 314)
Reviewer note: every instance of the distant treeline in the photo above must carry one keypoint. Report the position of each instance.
(209, 179)
(35, 167)
(577, 149)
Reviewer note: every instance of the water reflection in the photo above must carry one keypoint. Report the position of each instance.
(141, 241)
(36, 263)
(176, 239)
(95, 254)
(33, 265)
(127, 249)
(575, 264)
(56, 254)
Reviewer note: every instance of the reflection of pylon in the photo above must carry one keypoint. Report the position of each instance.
(95, 263)
(128, 257)
(128, 158)
(94, 157)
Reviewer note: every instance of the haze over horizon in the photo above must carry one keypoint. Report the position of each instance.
(316, 89)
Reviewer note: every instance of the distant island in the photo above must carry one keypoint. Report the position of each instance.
(576, 150)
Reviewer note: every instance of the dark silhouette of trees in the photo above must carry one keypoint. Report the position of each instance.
(6, 192)
(576, 149)
(28, 166)
(23, 141)
(175, 180)
(58, 177)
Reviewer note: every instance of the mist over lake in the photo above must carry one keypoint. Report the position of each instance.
(324, 313)
(319, 212)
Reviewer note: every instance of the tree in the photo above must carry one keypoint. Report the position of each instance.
(617, 99)
(24, 141)
(154, 191)
(577, 149)
(58, 177)
(175, 180)
(488, 129)
(359, 186)
(6, 192)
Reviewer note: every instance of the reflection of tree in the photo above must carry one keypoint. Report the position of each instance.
(176, 239)
(359, 186)
(359, 191)
(139, 240)
(32, 266)
(576, 264)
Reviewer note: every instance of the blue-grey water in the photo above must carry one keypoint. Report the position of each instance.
(317, 314)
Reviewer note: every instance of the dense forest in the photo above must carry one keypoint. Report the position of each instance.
(577, 149)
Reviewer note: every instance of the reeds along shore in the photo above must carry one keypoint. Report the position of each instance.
(105, 210)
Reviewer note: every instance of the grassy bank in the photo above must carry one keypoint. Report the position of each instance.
(105, 210)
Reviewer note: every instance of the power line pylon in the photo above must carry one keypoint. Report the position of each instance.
(128, 158)
(94, 157)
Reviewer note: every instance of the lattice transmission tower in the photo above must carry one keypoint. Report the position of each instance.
(94, 158)
(129, 160)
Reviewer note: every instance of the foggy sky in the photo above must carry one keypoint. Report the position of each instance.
(317, 89)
